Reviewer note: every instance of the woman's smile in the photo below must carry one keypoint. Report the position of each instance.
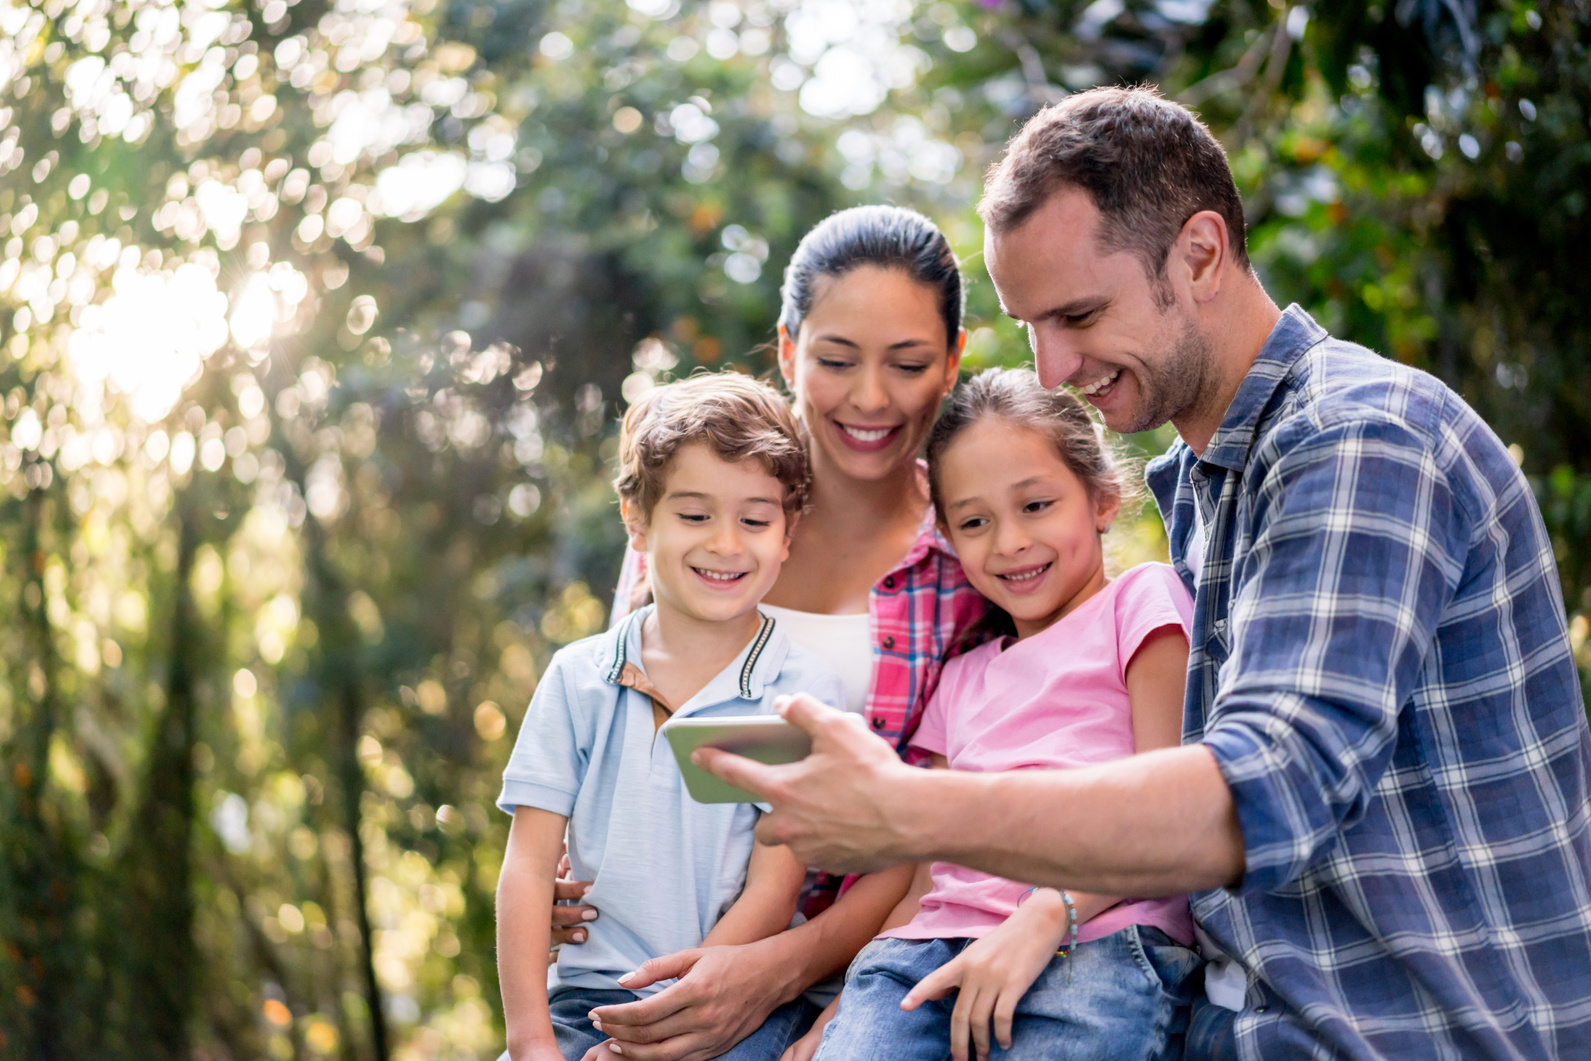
(867, 439)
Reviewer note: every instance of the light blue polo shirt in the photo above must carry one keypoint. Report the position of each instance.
(663, 867)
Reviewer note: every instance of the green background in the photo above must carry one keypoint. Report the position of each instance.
(315, 321)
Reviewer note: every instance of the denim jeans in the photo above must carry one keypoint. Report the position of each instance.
(1211, 1032)
(1126, 997)
(570, 1007)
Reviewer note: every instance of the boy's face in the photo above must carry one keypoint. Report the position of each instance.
(716, 538)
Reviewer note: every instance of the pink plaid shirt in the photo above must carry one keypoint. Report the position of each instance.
(919, 609)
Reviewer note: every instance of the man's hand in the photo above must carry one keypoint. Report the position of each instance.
(720, 997)
(836, 809)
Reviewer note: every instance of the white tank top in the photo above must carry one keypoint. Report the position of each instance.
(844, 642)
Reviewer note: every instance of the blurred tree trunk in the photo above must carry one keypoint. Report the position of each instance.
(157, 869)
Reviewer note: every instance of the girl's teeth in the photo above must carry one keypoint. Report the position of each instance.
(1026, 576)
(1100, 384)
(862, 435)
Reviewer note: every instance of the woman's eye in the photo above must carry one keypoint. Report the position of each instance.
(913, 370)
(833, 363)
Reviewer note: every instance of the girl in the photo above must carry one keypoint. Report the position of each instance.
(1089, 668)
(869, 345)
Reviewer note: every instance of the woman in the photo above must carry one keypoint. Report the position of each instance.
(870, 342)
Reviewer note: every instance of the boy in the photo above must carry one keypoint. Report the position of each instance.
(712, 478)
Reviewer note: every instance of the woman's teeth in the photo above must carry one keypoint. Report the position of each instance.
(719, 576)
(862, 434)
(1100, 384)
(1026, 576)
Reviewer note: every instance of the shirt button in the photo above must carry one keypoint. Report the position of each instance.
(878, 722)
(889, 642)
(889, 581)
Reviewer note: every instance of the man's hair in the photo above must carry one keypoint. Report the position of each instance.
(737, 418)
(1148, 164)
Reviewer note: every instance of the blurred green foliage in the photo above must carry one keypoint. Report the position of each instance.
(314, 322)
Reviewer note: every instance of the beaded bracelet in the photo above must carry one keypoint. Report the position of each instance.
(1071, 926)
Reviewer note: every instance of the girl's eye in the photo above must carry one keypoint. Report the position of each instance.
(1037, 506)
(972, 524)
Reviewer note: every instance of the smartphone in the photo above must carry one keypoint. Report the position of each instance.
(766, 738)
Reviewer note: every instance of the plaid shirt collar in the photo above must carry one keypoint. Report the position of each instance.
(1294, 333)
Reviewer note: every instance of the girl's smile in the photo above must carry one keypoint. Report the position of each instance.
(1026, 528)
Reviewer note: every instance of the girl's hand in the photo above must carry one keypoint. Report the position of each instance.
(568, 922)
(994, 972)
(600, 1052)
(805, 1047)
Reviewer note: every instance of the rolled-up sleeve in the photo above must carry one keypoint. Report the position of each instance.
(1357, 544)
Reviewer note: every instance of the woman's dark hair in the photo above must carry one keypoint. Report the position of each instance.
(1017, 397)
(888, 236)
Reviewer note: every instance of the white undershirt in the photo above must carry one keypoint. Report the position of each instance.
(1225, 982)
(844, 642)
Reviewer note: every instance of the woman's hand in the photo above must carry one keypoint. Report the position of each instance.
(568, 921)
(722, 995)
(806, 1047)
(994, 972)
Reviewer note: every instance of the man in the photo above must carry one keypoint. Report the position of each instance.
(1380, 805)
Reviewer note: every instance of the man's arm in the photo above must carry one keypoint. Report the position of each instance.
(524, 893)
(768, 901)
(1162, 823)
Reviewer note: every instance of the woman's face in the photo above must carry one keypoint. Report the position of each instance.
(868, 369)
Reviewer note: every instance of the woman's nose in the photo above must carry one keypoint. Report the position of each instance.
(869, 395)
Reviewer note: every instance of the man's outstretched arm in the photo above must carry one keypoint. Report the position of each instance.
(1161, 823)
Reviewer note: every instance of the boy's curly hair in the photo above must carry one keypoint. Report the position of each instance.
(736, 416)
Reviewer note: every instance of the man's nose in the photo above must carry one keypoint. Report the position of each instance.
(1056, 356)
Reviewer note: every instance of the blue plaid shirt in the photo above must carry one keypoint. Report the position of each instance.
(1381, 666)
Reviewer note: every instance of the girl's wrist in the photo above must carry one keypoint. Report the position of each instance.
(777, 965)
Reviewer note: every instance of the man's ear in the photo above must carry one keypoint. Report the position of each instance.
(1201, 253)
(787, 354)
(633, 525)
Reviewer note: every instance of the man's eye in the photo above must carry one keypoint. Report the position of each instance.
(1081, 320)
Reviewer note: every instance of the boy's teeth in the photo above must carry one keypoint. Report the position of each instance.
(719, 576)
(863, 435)
(1100, 384)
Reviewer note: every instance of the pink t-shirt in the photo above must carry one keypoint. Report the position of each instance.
(1057, 699)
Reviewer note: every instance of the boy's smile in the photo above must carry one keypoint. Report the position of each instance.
(716, 538)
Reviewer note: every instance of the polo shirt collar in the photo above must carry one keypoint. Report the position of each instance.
(756, 667)
(1294, 333)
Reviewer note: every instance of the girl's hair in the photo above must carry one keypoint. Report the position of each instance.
(888, 236)
(1017, 397)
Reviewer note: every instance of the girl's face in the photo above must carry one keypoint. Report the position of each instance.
(868, 369)
(1023, 524)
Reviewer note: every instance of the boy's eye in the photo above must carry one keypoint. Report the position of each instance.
(758, 523)
(693, 517)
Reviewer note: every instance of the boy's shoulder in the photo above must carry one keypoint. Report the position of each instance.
(595, 660)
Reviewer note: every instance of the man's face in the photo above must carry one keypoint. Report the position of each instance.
(1093, 318)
